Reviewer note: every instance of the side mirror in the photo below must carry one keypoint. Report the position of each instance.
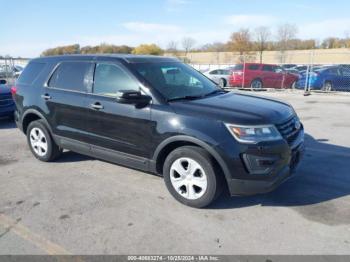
(3, 82)
(132, 97)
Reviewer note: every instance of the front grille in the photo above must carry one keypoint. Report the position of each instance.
(290, 129)
(6, 100)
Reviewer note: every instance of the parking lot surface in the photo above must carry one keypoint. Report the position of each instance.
(80, 205)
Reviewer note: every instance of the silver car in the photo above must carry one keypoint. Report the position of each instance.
(219, 76)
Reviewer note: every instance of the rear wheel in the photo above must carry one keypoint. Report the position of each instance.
(41, 143)
(222, 82)
(256, 84)
(327, 86)
(190, 177)
(293, 85)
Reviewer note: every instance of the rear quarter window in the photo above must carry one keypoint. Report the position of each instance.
(30, 73)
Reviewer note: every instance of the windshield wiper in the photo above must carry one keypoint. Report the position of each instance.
(184, 98)
(215, 92)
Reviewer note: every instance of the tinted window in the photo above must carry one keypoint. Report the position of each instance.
(253, 67)
(346, 72)
(30, 73)
(214, 72)
(225, 72)
(71, 76)
(333, 71)
(109, 79)
(268, 68)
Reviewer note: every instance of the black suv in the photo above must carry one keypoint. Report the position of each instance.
(158, 115)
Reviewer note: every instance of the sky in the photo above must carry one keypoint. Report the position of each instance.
(29, 27)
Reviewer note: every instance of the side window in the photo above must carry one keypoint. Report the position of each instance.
(71, 76)
(214, 72)
(268, 68)
(253, 67)
(110, 78)
(346, 72)
(30, 73)
(278, 69)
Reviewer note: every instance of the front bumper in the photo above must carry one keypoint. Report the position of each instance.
(279, 163)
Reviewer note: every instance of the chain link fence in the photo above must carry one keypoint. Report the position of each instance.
(308, 71)
(10, 69)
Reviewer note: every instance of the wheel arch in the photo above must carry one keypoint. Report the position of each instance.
(31, 115)
(172, 143)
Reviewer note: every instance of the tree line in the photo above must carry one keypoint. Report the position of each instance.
(242, 41)
(104, 49)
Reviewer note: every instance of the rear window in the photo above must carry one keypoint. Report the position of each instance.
(71, 76)
(30, 73)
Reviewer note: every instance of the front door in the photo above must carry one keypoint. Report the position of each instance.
(112, 125)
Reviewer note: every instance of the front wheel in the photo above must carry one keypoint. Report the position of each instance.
(327, 86)
(190, 177)
(41, 143)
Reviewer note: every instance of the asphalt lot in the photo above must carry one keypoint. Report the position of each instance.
(80, 205)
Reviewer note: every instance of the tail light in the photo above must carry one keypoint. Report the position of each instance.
(13, 90)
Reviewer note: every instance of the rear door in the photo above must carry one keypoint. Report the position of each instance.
(336, 78)
(279, 77)
(112, 125)
(268, 76)
(65, 98)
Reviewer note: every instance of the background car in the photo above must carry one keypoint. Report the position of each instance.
(326, 79)
(261, 75)
(7, 105)
(7, 71)
(219, 76)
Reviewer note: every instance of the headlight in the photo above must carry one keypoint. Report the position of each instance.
(254, 134)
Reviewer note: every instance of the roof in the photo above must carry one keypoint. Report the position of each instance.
(125, 57)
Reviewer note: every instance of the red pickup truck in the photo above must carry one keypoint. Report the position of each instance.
(261, 75)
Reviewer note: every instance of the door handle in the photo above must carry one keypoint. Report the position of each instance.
(97, 106)
(46, 97)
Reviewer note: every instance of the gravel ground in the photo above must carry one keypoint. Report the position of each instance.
(80, 205)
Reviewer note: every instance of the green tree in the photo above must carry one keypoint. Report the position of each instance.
(148, 49)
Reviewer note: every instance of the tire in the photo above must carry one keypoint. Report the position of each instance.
(222, 83)
(198, 188)
(256, 84)
(293, 85)
(41, 143)
(327, 86)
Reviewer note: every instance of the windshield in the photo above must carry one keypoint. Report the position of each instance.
(175, 80)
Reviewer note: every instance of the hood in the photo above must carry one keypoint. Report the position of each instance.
(5, 89)
(237, 108)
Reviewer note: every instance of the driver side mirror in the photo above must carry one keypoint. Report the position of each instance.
(133, 97)
(3, 82)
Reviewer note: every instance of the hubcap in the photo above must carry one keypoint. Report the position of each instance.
(222, 83)
(188, 178)
(328, 87)
(256, 84)
(38, 141)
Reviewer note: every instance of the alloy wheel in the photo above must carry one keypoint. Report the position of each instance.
(38, 141)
